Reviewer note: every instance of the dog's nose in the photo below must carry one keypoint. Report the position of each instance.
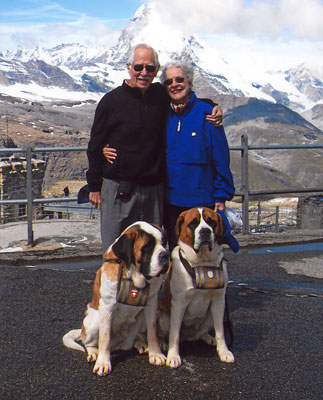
(164, 260)
(205, 234)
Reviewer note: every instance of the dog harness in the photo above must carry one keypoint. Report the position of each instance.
(127, 292)
(204, 277)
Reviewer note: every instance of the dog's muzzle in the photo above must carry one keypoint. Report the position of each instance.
(205, 238)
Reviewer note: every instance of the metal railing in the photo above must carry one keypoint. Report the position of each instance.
(245, 193)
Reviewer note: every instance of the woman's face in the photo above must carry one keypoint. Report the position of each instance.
(177, 85)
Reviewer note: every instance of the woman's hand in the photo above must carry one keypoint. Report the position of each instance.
(219, 206)
(109, 153)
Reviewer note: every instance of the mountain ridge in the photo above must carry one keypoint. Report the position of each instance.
(61, 86)
(97, 69)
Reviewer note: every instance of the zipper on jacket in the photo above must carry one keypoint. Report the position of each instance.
(179, 126)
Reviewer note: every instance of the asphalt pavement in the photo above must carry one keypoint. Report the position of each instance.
(275, 304)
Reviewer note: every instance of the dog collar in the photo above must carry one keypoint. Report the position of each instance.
(187, 266)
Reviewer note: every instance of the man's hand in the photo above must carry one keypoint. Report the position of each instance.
(95, 199)
(216, 117)
(219, 206)
(109, 153)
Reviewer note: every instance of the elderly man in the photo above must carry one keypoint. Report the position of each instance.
(132, 120)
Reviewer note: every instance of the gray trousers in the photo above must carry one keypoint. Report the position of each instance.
(145, 203)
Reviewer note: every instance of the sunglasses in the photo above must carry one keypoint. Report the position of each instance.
(140, 67)
(178, 79)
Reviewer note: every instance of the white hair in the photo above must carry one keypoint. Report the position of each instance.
(145, 46)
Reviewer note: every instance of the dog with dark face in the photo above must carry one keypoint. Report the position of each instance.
(194, 291)
(125, 298)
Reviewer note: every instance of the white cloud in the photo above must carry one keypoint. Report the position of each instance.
(273, 18)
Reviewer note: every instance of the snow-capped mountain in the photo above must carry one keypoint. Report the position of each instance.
(73, 71)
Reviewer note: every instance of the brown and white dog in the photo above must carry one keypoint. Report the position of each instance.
(138, 256)
(194, 290)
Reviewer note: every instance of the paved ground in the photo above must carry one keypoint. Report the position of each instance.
(275, 303)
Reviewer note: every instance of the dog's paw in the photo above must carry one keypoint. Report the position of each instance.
(141, 346)
(174, 361)
(207, 338)
(92, 354)
(102, 368)
(157, 359)
(226, 356)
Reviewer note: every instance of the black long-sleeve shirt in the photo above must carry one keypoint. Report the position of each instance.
(134, 124)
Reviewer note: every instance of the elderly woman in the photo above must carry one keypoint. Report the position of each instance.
(197, 155)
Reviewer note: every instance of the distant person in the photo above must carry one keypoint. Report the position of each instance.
(66, 191)
(197, 153)
(131, 119)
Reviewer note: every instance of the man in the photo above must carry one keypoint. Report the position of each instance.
(197, 155)
(131, 119)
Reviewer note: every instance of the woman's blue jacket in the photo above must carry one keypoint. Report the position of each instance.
(198, 159)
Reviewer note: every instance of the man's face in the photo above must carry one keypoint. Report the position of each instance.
(177, 85)
(140, 77)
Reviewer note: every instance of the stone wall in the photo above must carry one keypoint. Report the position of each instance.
(310, 212)
(13, 186)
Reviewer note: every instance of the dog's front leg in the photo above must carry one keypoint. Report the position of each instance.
(102, 366)
(156, 357)
(177, 312)
(217, 310)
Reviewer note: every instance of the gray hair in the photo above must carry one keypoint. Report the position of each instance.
(186, 67)
(145, 46)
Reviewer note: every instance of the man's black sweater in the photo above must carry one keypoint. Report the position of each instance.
(134, 124)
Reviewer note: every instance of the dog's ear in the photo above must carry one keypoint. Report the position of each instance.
(179, 224)
(123, 248)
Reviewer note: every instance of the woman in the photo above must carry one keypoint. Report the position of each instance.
(197, 155)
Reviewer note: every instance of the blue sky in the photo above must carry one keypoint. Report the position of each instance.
(27, 11)
(239, 29)
(29, 23)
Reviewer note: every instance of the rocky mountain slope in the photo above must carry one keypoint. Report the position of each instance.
(72, 71)
(49, 97)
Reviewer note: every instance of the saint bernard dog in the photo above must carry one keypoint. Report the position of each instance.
(193, 301)
(125, 298)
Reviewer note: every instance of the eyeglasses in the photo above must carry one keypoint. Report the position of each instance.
(140, 67)
(178, 79)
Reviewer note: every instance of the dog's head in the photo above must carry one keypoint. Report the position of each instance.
(142, 248)
(200, 228)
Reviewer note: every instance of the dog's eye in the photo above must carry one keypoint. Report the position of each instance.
(211, 222)
(193, 224)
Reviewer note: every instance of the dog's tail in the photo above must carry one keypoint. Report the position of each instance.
(70, 338)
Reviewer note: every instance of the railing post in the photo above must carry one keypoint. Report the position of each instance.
(277, 219)
(29, 196)
(245, 184)
(258, 216)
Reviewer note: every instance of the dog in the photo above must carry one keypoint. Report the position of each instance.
(193, 299)
(131, 273)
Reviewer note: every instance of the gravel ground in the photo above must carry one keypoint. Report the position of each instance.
(275, 302)
(277, 324)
